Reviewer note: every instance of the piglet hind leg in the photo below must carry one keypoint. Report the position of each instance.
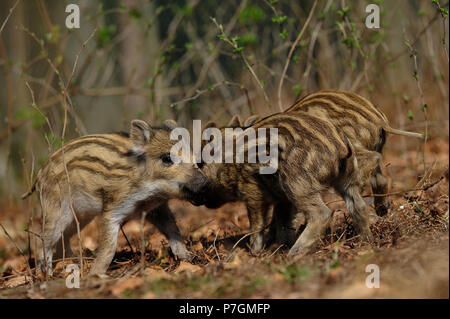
(282, 231)
(164, 221)
(357, 209)
(317, 218)
(257, 211)
(56, 220)
(70, 231)
(380, 186)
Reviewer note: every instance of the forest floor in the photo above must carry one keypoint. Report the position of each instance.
(411, 249)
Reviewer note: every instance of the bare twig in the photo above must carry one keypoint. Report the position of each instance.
(423, 188)
(444, 15)
(214, 244)
(8, 16)
(34, 105)
(20, 251)
(291, 51)
(275, 251)
(144, 214)
(239, 51)
(65, 100)
(423, 106)
(126, 238)
(209, 89)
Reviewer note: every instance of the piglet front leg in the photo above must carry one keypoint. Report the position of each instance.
(164, 221)
(109, 229)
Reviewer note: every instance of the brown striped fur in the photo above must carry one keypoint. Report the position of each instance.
(365, 126)
(312, 158)
(113, 176)
(359, 121)
(314, 132)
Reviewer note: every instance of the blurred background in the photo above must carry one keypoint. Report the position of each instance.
(209, 60)
(168, 59)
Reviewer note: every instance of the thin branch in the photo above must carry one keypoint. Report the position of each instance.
(209, 89)
(34, 105)
(214, 244)
(20, 251)
(423, 106)
(424, 188)
(8, 16)
(237, 49)
(65, 100)
(126, 238)
(288, 60)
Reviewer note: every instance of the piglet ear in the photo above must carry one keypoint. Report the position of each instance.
(251, 120)
(140, 133)
(235, 121)
(170, 124)
(210, 124)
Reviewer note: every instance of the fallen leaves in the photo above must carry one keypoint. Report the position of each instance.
(332, 270)
(125, 284)
(16, 281)
(187, 267)
(155, 272)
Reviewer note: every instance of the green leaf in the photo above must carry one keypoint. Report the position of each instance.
(343, 13)
(187, 10)
(410, 114)
(421, 13)
(251, 14)
(284, 34)
(423, 107)
(298, 89)
(238, 50)
(134, 13)
(105, 34)
(249, 39)
(279, 20)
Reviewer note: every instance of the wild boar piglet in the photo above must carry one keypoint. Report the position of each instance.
(113, 176)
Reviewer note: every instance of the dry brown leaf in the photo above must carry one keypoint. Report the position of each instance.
(187, 267)
(335, 275)
(197, 246)
(16, 281)
(237, 260)
(126, 284)
(16, 263)
(154, 273)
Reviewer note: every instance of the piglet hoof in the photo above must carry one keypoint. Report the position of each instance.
(98, 271)
(185, 256)
(257, 243)
(181, 252)
(294, 251)
(295, 254)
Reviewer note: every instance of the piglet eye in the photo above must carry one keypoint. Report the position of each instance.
(167, 161)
